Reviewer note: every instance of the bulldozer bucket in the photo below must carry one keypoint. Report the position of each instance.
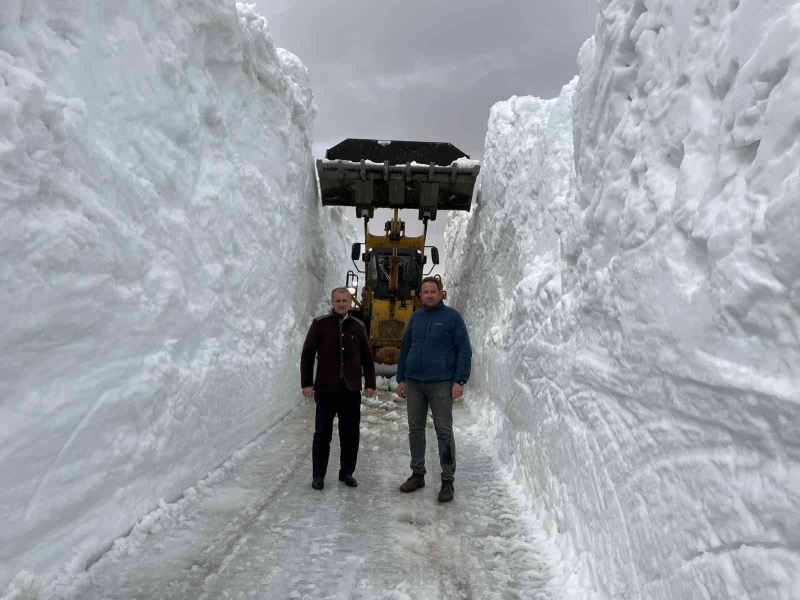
(370, 174)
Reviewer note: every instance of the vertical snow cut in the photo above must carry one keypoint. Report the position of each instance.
(157, 199)
(631, 276)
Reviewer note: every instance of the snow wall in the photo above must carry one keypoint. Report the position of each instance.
(156, 274)
(631, 279)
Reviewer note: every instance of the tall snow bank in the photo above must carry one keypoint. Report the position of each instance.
(162, 254)
(633, 293)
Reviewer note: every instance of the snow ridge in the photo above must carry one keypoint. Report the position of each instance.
(630, 275)
(157, 198)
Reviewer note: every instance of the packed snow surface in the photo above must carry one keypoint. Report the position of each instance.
(255, 529)
(161, 253)
(631, 278)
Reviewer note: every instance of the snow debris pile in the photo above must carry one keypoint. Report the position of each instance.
(633, 293)
(156, 206)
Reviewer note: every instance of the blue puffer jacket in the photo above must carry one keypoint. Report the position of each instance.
(435, 346)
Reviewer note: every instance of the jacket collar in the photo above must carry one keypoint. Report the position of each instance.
(435, 308)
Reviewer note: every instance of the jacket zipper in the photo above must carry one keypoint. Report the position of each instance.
(427, 333)
(341, 350)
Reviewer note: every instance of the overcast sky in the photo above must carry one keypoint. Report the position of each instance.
(414, 70)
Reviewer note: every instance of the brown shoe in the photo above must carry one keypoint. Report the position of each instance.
(446, 493)
(413, 483)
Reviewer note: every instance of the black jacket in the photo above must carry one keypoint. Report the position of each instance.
(341, 347)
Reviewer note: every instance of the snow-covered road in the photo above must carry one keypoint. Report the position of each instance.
(255, 528)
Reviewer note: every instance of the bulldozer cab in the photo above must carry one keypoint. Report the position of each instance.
(409, 273)
(370, 174)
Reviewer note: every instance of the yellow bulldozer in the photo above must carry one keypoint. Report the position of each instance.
(370, 174)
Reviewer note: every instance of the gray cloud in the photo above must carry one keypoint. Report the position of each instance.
(422, 70)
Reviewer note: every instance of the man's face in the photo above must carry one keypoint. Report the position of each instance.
(430, 294)
(341, 303)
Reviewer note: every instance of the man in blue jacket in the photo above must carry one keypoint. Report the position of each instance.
(434, 365)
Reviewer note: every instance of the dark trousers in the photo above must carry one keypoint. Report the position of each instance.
(347, 405)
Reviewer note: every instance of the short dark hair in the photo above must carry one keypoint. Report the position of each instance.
(435, 280)
(340, 290)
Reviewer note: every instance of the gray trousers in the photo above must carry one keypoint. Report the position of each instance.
(438, 395)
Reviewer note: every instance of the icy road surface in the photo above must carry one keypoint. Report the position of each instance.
(255, 528)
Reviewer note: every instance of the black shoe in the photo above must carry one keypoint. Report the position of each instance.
(348, 480)
(446, 493)
(318, 483)
(413, 483)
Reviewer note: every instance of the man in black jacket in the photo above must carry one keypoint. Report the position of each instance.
(341, 346)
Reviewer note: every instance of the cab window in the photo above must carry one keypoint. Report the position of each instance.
(379, 269)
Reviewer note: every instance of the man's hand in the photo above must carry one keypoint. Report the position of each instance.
(458, 391)
(369, 392)
(401, 390)
(307, 391)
